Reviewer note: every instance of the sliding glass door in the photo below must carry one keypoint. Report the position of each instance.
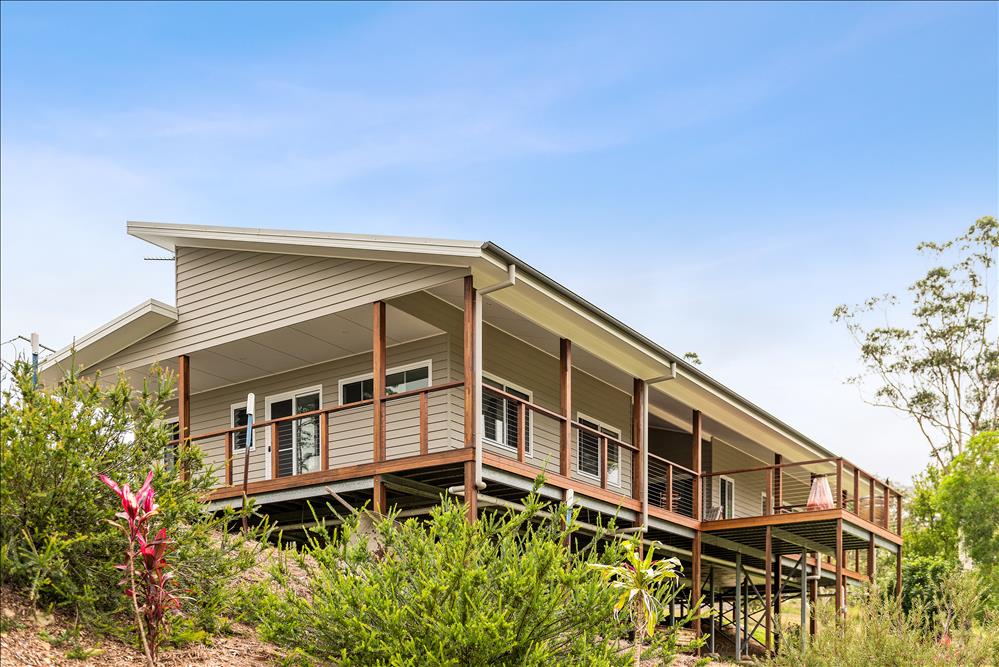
(298, 449)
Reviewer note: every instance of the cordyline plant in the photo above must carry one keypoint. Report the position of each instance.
(645, 584)
(146, 577)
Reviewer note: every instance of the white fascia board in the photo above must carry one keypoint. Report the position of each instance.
(327, 244)
(130, 327)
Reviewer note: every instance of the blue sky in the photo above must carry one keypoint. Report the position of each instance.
(748, 166)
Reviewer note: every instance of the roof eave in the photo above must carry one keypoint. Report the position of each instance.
(128, 328)
(683, 367)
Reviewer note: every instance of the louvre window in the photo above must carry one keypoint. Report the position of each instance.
(500, 415)
(588, 451)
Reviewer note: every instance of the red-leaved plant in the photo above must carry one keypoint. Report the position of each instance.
(147, 579)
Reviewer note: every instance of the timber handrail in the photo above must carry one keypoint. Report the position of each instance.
(738, 471)
(600, 434)
(323, 411)
(671, 464)
(881, 497)
(533, 407)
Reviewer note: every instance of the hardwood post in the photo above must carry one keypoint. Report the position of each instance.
(768, 559)
(378, 378)
(471, 492)
(228, 459)
(468, 349)
(471, 350)
(870, 559)
(778, 483)
(669, 487)
(603, 461)
(805, 599)
(870, 500)
(638, 417)
(324, 440)
(856, 491)
(424, 424)
(695, 445)
(275, 470)
(183, 410)
(769, 509)
(737, 606)
(898, 575)
(565, 404)
(695, 578)
(379, 495)
(884, 509)
(839, 569)
(379, 492)
(839, 483)
(521, 431)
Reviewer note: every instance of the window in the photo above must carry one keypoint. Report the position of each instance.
(588, 451)
(726, 497)
(238, 418)
(397, 380)
(298, 445)
(500, 415)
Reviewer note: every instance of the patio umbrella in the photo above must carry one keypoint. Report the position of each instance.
(820, 497)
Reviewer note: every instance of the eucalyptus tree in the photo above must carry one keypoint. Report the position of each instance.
(939, 365)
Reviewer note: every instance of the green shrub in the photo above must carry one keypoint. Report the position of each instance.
(55, 540)
(922, 577)
(505, 590)
(878, 632)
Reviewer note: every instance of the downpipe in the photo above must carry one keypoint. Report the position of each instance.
(510, 281)
(645, 439)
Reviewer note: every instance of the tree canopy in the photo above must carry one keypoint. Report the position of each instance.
(941, 365)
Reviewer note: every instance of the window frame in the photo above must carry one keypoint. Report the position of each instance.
(721, 485)
(428, 364)
(528, 428)
(284, 396)
(232, 424)
(582, 416)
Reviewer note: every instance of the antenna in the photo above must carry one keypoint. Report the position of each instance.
(160, 259)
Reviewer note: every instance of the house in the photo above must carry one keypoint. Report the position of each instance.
(393, 370)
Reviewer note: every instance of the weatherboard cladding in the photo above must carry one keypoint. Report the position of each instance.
(225, 295)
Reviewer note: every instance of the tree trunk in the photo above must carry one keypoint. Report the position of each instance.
(639, 634)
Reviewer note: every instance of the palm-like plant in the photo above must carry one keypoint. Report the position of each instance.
(645, 584)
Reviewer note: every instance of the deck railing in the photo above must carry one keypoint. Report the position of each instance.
(747, 492)
(328, 431)
(671, 486)
(528, 413)
(788, 488)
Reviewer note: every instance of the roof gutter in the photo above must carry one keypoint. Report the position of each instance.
(678, 365)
